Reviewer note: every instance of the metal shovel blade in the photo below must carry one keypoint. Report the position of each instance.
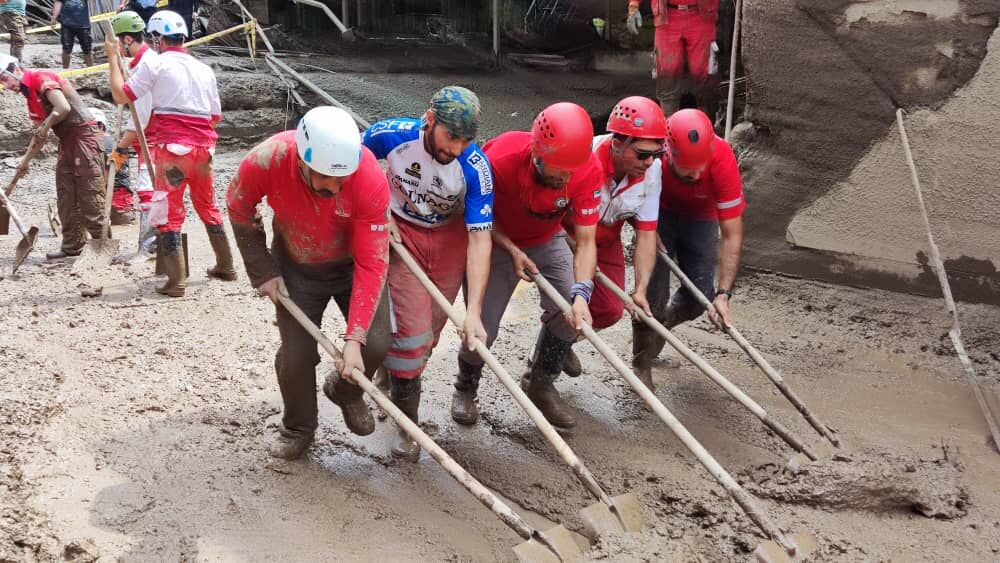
(771, 552)
(24, 248)
(98, 254)
(624, 515)
(557, 545)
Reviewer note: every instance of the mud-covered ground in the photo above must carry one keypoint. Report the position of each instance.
(134, 426)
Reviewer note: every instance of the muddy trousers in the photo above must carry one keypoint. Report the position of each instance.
(555, 261)
(178, 167)
(14, 24)
(298, 356)
(694, 246)
(441, 254)
(79, 190)
(681, 52)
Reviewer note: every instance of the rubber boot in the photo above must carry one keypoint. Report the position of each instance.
(405, 394)
(88, 60)
(289, 446)
(464, 409)
(223, 268)
(550, 353)
(349, 398)
(571, 365)
(59, 255)
(173, 265)
(65, 60)
(381, 380)
(120, 218)
(646, 346)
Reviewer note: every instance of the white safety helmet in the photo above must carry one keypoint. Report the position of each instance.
(166, 23)
(99, 116)
(329, 142)
(6, 61)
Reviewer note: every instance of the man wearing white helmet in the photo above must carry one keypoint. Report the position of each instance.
(181, 136)
(330, 201)
(122, 201)
(53, 102)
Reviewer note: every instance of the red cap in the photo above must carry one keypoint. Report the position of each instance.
(690, 137)
(562, 136)
(638, 117)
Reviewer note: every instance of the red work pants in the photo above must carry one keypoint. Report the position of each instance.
(174, 172)
(605, 307)
(686, 38)
(441, 253)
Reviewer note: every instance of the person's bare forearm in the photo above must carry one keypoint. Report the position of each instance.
(128, 139)
(60, 107)
(117, 80)
(477, 269)
(730, 251)
(585, 259)
(644, 259)
(503, 241)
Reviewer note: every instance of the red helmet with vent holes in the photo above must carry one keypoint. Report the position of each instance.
(639, 117)
(562, 135)
(690, 137)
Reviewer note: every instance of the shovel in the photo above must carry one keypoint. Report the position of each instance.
(781, 547)
(99, 253)
(622, 513)
(742, 342)
(787, 435)
(27, 237)
(554, 545)
(36, 144)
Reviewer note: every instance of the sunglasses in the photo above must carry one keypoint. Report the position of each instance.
(645, 155)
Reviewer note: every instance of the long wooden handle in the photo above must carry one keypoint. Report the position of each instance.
(747, 502)
(484, 495)
(756, 356)
(529, 408)
(33, 147)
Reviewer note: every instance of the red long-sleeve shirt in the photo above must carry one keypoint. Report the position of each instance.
(316, 230)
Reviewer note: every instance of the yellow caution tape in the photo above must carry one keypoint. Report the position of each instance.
(93, 19)
(248, 26)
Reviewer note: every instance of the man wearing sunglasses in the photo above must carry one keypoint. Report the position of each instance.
(702, 194)
(442, 209)
(539, 177)
(630, 161)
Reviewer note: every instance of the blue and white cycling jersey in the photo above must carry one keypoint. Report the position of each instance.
(424, 191)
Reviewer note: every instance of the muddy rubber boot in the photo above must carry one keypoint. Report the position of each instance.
(405, 395)
(173, 265)
(550, 354)
(571, 365)
(349, 398)
(60, 255)
(223, 268)
(65, 60)
(646, 346)
(289, 446)
(121, 218)
(464, 409)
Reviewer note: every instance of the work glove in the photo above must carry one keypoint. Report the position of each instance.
(117, 158)
(634, 21)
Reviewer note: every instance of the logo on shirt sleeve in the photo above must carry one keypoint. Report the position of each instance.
(482, 166)
(486, 210)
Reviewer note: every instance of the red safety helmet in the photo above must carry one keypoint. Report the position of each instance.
(690, 138)
(562, 136)
(639, 117)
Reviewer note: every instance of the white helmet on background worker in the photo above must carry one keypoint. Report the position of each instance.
(99, 117)
(7, 63)
(167, 24)
(328, 141)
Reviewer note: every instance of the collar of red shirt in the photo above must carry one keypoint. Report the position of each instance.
(138, 55)
(607, 163)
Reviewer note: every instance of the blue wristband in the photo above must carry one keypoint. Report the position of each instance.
(583, 289)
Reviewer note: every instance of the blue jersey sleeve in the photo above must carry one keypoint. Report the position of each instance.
(478, 189)
(388, 134)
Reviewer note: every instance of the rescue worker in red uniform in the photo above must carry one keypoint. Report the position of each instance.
(702, 194)
(54, 103)
(682, 48)
(181, 136)
(538, 178)
(630, 164)
(330, 201)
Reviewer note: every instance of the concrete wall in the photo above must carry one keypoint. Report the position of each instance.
(830, 196)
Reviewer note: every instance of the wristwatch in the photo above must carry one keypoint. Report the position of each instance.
(727, 292)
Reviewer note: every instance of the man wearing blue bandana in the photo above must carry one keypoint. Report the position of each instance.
(441, 189)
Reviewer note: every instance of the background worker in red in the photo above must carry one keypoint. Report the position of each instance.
(181, 137)
(122, 200)
(54, 103)
(129, 28)
(630, 161)
(702, 194)
(682, 48)
(331, 241)
(442, 210)
(539, 177)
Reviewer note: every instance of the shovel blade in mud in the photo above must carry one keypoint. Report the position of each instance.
(822, 449)
(98, 254)
(771, 552)
(4, 221)
(24, 248)
(556, 545)
(624, 515)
